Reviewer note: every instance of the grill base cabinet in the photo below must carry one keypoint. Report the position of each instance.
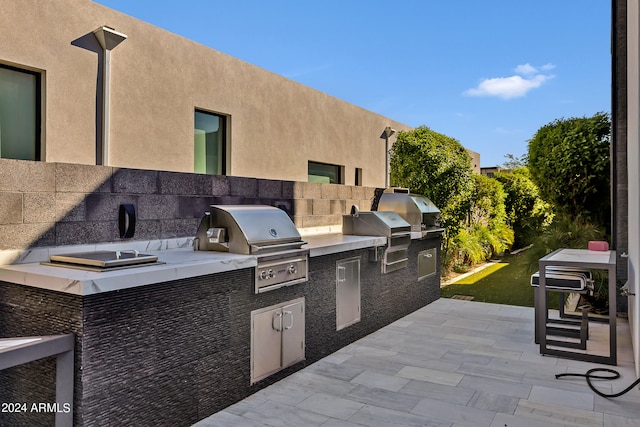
(347, 292)
(277, 338)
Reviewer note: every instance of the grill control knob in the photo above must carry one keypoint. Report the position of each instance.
(263, 275)
(292, 269)
(271, 274)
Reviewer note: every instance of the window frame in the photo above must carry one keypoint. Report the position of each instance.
(224, 125)
(38, 107)
(339, 169)
(358, 177)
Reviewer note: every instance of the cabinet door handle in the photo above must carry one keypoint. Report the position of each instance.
(342, 274)
(290, 313)
(279, 327)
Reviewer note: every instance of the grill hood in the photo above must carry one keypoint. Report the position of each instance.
(388, 224)
(416, 209)
(377, 223)
(247, 229)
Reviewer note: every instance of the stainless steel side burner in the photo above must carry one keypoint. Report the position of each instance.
(387, 224)
(102, 260)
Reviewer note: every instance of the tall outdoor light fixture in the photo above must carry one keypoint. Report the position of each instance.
(108, 38)
(386, 133)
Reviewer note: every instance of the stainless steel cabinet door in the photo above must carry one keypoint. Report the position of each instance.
(266, 332)
(292, 333)
(347, 292)
(427, 263)
(277, 338)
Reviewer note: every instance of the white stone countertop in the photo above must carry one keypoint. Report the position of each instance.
(179, 260)
(326, 244)
(178, 264)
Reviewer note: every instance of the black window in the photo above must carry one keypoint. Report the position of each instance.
(358, 177)
(19, 114)
(209, 143)
(325, 173)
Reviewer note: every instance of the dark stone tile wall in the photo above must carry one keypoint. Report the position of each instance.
(26, 311)
(155, 355)
(384, 298)
(173, 353)
(152, 353)
(619, 149)
(53, 204)
(620, 187)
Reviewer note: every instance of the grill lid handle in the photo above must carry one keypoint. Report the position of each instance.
(278, 246)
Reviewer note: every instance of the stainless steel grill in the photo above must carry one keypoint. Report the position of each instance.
(264, 231)
(387, 224)
(417, 210)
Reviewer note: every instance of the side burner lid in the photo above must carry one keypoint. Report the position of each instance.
(104, 259)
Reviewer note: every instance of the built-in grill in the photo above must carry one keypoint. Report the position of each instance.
(264, 231)
(417, 210)
(388, 224)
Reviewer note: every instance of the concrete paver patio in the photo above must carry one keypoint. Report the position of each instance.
(451, 363)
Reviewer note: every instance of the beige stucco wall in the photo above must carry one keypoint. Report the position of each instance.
(475, 160)
(158, 79)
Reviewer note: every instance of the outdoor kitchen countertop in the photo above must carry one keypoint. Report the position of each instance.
(177, 260)
(325, 244)
(175, 264)
(331, 243)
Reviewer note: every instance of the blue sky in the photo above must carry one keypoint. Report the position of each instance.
(488, 73)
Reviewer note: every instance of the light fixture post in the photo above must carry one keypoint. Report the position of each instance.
(386, 133)
(108, 39)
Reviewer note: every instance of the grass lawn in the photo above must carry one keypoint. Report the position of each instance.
(503, 282)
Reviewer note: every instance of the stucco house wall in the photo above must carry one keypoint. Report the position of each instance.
(158, 80)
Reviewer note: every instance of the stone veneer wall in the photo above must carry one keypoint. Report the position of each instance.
(619, 147)
(53, 204)
(620, 182)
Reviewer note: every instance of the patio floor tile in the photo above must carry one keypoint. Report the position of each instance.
(451, 363)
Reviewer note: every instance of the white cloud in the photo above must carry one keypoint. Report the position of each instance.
(526, 69)
(514, 86)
